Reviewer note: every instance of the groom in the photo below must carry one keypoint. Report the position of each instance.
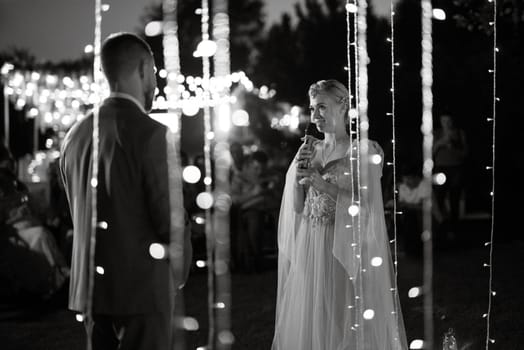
(139, 194)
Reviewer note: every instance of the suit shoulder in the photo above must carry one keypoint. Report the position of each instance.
(151, 128)
(79, 129)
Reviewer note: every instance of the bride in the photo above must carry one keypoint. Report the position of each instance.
(335, 274)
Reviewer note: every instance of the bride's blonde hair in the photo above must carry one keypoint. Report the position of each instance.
(335, 90)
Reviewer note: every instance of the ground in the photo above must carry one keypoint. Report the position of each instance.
(460, 300)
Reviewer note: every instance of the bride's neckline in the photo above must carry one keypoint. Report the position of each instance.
(326, 158)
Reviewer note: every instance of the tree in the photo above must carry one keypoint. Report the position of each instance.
(293, 57)
(246, 21)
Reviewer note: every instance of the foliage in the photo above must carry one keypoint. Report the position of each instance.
(246, 21)
(24, 59)
(295, 55)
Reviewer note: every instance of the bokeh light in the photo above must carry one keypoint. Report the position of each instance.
(414, 292)
(190, 324)
(191, 174)
(439, 179)
(240, 118)
(376, 261)
(351, 8)
(439, 14)
(353, 210)
(376, 159)
(369, 314)
(226, 337)
(416, 344)
(157, 251)
(153, 28)
(190, 107)
(204, 200)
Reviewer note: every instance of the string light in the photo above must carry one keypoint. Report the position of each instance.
(391, 40)
(6, 113)
(223, 119)
(44, 93)
(97, 78)
(205, 199)
(353, 115)
(363, 123)
(495, 99)
(427, 130)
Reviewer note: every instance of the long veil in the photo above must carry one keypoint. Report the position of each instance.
(361, 246)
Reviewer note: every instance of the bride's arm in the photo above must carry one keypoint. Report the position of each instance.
(300, 188)
(299, 197)
(304, 156)
(321, 185)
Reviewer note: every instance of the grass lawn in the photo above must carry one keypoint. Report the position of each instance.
(460, 299)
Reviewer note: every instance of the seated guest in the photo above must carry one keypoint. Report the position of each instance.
(16, 214)
(253, 197)
(58, 214)
(412, 191)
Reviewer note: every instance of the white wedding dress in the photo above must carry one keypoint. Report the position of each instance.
(330, 296)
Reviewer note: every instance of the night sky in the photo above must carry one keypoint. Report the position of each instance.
(60, 29)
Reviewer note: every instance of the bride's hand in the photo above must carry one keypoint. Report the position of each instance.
(302, 174)
(314, 179)
(304, 157)
(305, 152)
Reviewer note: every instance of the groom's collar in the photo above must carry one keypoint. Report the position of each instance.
(128, 97)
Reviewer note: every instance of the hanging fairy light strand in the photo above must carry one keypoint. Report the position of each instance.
(172, 60)
(427, 130)
(492, 293)
(222, 124)
(177, 228)
(363, 150)
(394, 160)
(356, 112)
(97, 76)
(202, 51)
(6, 106)
(351, 8)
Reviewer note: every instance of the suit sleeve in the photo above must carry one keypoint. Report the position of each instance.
(156, 184)
(180, 249)
(163, 179)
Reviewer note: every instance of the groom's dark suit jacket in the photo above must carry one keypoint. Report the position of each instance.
(133, 199)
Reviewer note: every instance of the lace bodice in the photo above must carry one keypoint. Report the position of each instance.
(320, 206)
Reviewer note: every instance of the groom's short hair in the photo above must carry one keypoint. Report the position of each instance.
(121, 53)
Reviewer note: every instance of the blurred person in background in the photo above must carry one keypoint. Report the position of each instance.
(450, 151)
(253, 194)
(25, 229)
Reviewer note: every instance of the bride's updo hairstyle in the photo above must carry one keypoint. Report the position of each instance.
(336, 90)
